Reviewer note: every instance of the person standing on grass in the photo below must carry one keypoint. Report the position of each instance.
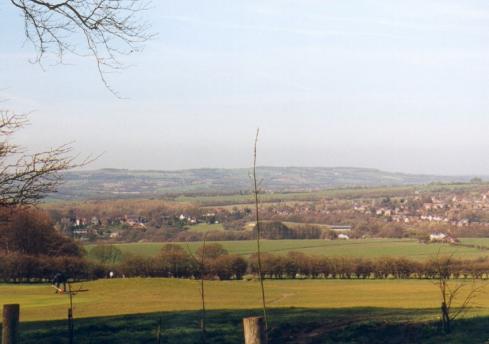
(60, 278)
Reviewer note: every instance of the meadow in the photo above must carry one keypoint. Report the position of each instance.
(206, 227)
(352, 248)
(484, 242)
(130, 309)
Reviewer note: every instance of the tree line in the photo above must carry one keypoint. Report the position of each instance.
(175, 261)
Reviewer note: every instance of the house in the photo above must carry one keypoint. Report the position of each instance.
(437, 236)
(134, 221)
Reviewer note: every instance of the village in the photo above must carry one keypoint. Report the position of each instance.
(440, 213)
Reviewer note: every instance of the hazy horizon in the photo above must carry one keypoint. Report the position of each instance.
(88, 169)
(396, 86)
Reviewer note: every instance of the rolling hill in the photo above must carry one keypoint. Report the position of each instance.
(121, 183)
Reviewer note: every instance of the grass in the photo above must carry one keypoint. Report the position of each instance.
(325, 311)
(205, 227)
(237, 199)
(289, 325)
(475, 241)
(352, 248)
(251, 225)
(146, 295)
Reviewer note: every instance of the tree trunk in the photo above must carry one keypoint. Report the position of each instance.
(445, 317)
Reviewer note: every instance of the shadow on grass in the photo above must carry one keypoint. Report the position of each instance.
(290, 325)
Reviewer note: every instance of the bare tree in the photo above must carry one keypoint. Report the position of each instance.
(27, 178)
(451, 290)
(102, 29)
(258, 231)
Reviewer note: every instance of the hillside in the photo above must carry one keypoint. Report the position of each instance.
(119, 183)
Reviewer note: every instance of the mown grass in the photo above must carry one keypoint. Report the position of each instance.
(324, 311)
(144, 295)
(351, 248)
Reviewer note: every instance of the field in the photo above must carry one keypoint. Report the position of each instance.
(205, 227)
(178, 303)
(352, 248)
(475, 241)
(111, 297)
(339, 193)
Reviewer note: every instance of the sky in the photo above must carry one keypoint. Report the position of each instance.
(394, 85)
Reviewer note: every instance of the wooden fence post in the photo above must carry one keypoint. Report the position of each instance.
(70, 326)
(254, 330)
(10, 324)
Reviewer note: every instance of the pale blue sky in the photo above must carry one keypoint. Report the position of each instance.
(395, 85)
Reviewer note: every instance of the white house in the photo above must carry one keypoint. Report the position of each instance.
(437, 236)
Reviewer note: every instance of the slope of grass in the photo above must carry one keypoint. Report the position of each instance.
(144, 295)
(353, 248)
(321, 311)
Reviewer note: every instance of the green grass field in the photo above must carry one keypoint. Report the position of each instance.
(352, 248)
(128, 310)
(146, 295)
(475, 241)
(205, 227)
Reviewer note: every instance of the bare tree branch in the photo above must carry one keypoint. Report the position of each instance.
(27, 178)
(102, 29)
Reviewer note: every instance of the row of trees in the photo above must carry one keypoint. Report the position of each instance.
(297, 264)
(22, 268)
(176, 261)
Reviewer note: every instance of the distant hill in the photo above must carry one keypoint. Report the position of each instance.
(120, 183)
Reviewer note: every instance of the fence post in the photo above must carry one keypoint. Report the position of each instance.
(70, 326)
(254, 330)
(10, 324)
